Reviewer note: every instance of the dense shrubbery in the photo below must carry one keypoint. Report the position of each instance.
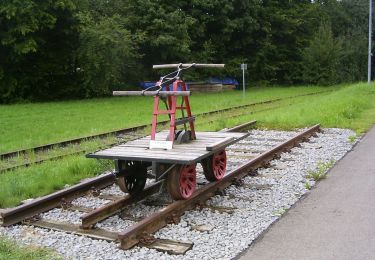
(58, 49)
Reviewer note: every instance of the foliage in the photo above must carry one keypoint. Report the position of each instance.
(35, 48)
(105, 54)
(84, 48)
(321, 58)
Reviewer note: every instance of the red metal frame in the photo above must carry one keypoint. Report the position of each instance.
(171, 111)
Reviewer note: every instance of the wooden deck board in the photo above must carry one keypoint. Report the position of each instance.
(194, 151)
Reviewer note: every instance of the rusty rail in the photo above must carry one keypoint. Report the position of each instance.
(156, 221)
(90, 219)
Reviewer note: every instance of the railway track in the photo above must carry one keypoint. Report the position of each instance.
(92, 202)
(125, 134)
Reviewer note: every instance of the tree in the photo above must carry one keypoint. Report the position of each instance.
(36, 42)
(106, 55)
(321, 58)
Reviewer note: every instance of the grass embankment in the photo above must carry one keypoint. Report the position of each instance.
(348, 107)
(10, 250)
(44, 178)
(28, 125)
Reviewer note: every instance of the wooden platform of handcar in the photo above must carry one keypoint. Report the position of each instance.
(206, 144)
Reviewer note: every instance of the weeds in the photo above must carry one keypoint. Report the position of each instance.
(352, 139)
(279, 212)
(320, 173)
(307, 186)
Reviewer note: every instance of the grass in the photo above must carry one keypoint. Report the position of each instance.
(42, 179)
(351, 107)
(31, 157)
(307, 186)
(10, 250)
(28, 125)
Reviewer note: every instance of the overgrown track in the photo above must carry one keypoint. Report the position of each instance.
(127, 133)
(141, 231)
(134, 129)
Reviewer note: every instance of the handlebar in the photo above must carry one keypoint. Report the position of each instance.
(187, 65)
(151, 93)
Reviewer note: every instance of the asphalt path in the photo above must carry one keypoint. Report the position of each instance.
(336, 220)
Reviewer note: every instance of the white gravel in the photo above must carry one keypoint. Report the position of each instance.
(255, 205)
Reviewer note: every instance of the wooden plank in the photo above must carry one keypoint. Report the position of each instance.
(219, 144)
(175, 150)
(170, 246)
(156, 153)
(169, 160)
(80, 208)
(75, 229)
(111, 196)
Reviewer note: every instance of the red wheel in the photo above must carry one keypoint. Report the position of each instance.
(214, 167)
(182, 181)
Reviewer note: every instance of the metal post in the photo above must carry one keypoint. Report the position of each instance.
(369, 43)
(243, 81)
(243, 67)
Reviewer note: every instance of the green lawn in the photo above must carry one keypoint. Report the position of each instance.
(28, 125)
(42, 179)
(11, 251)
(350, 107)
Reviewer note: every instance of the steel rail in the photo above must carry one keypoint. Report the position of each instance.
(110, 209)
(77, 140)
(132, 236)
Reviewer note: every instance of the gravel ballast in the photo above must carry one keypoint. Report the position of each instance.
(252, 207)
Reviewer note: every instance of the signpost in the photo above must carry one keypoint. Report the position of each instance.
(243, 68)
(369, 63)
